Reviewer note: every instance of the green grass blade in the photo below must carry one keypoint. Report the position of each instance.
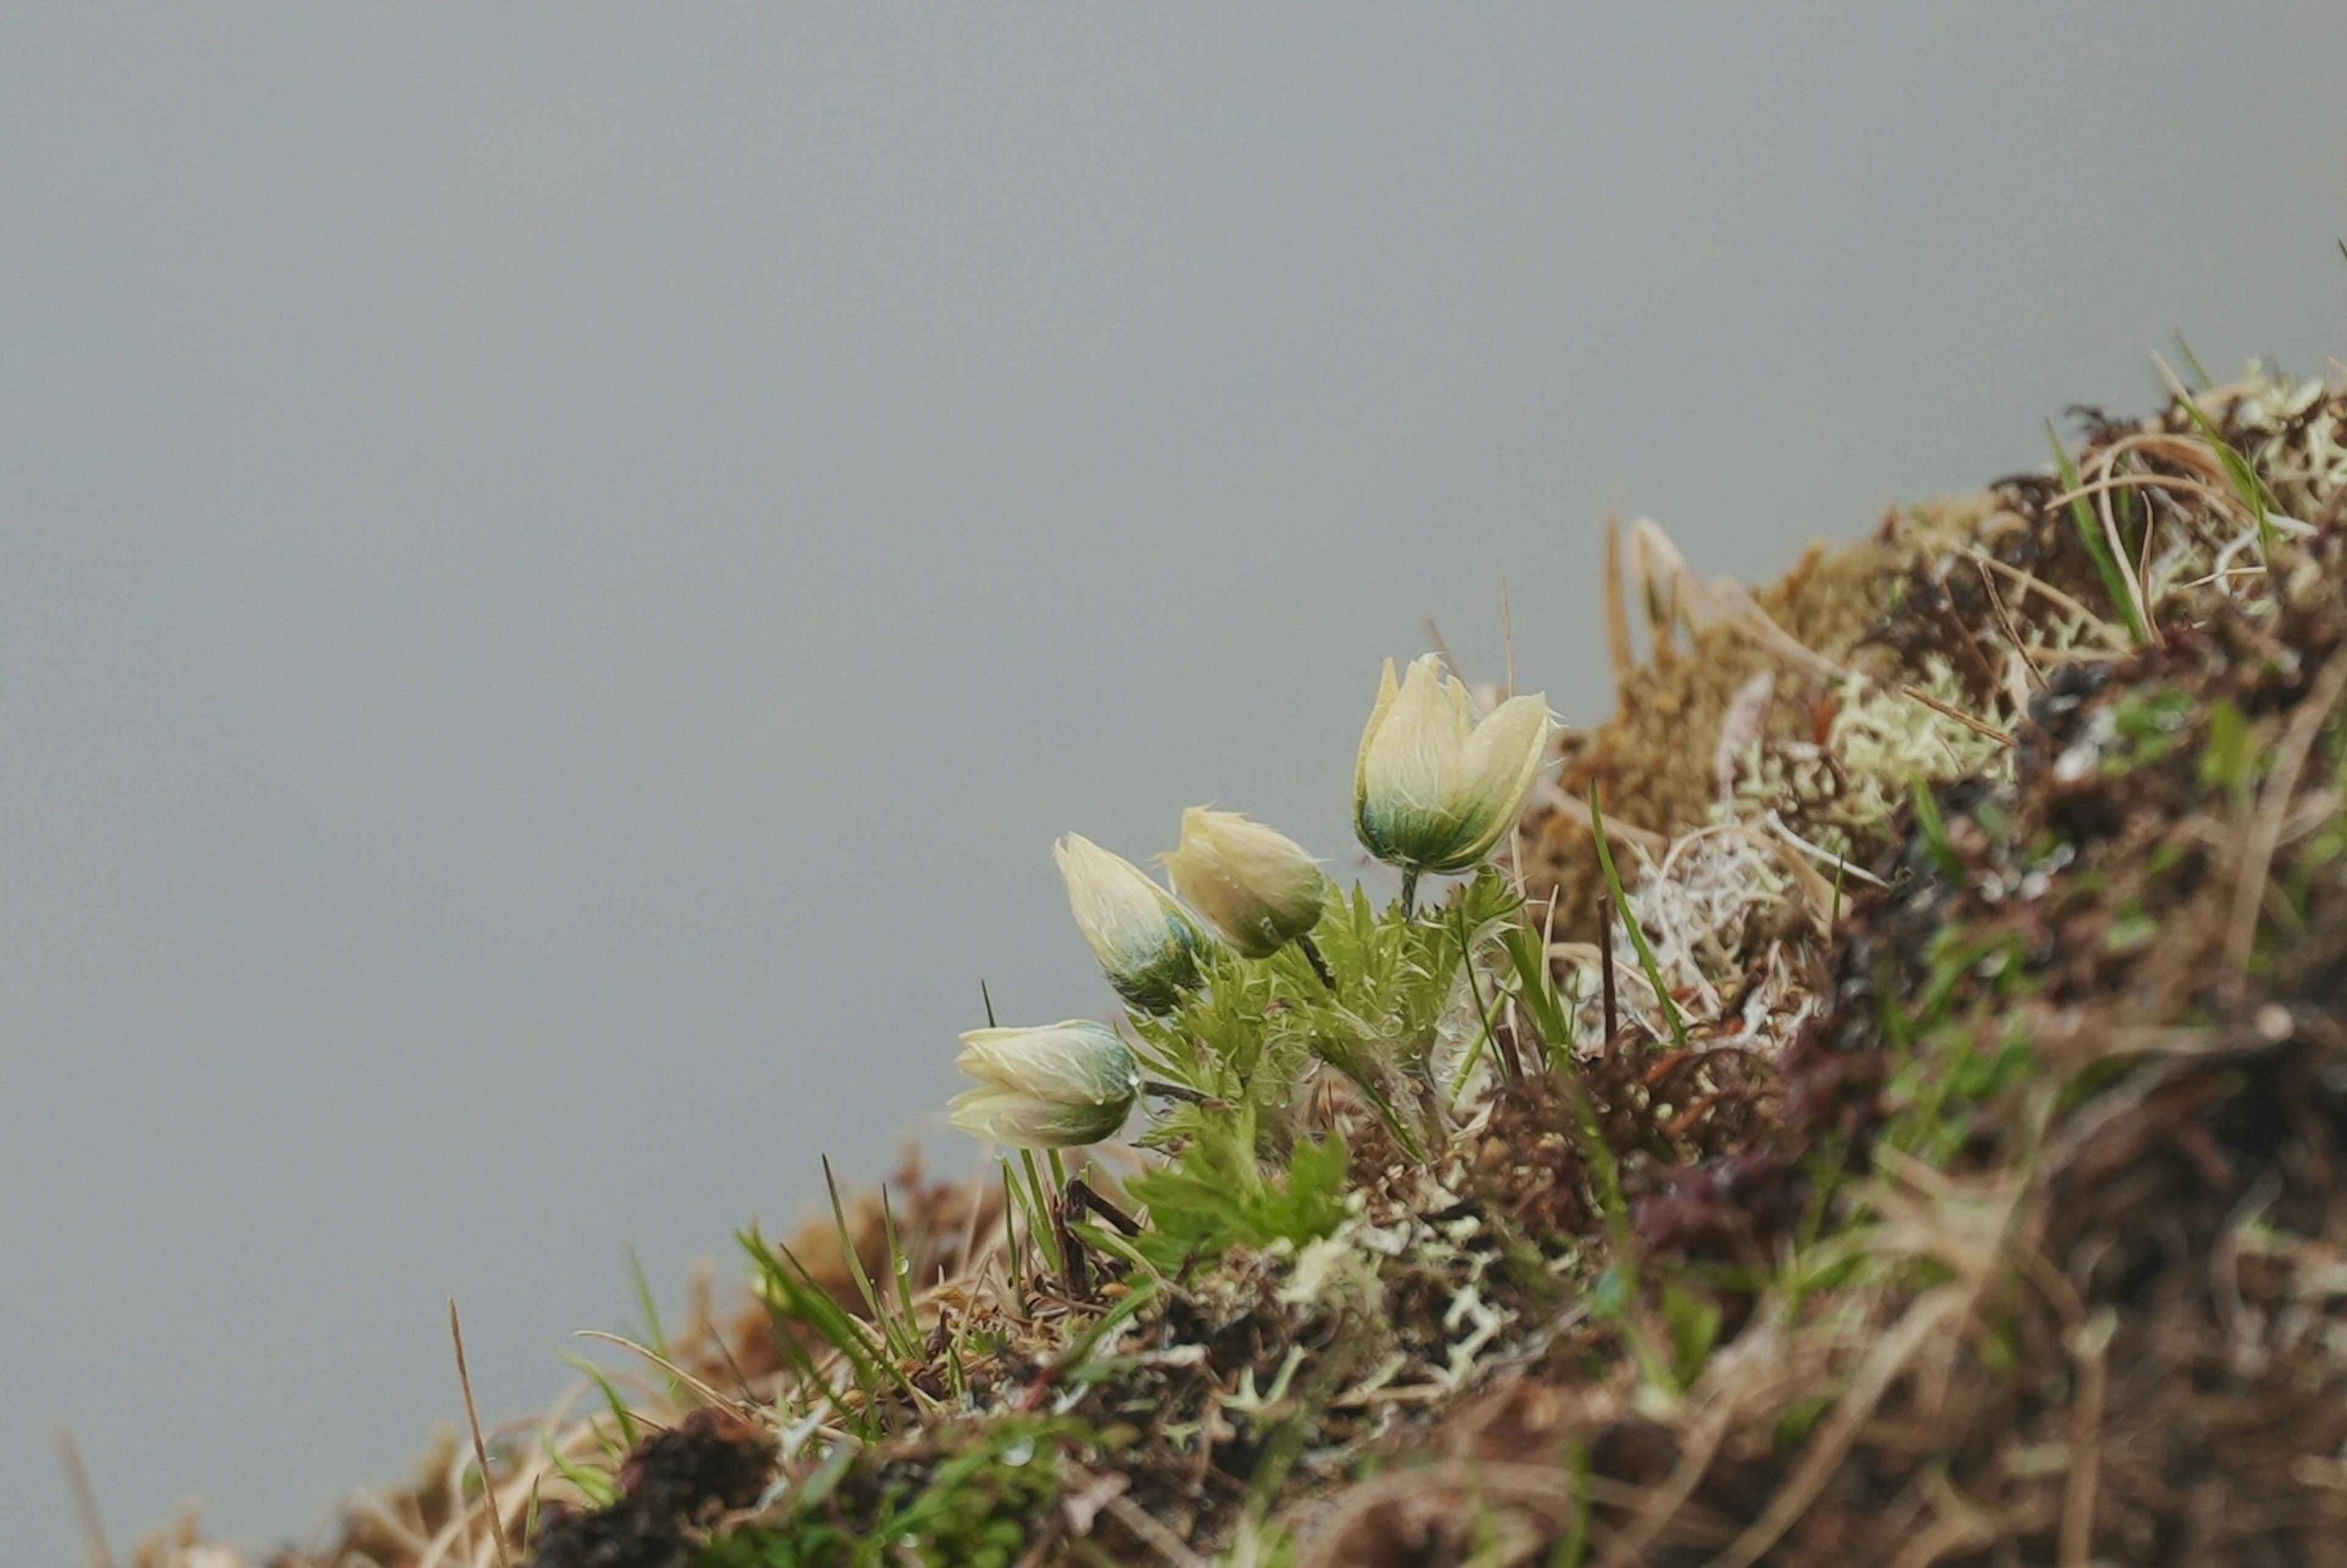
(626, 1418)
(2090, 534)
(1484, 1014)
(2192, 361)
(1039, 1215)
(1538, 996)
(778, 1283)
(1536, 993)
(656, 1335)
(1103, 1239)
(906, 1336)
(804, 1304)
(847, 1244)
(600, 1490)
(1647, 959)
(1014, 1203)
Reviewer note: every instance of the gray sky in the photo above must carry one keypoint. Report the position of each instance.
(561, 567)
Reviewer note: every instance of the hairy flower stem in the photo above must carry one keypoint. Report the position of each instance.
(1312, 955)
(1408, 891)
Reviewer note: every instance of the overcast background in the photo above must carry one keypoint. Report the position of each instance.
(561, 569)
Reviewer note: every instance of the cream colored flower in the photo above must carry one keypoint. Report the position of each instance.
(1146, 945)
(1434, 790)
(1047, 1088)
(1256, 886)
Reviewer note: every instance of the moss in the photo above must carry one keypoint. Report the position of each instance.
(975, 1495)
(1946, 1166)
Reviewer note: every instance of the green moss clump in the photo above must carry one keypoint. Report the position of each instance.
(971, 1496)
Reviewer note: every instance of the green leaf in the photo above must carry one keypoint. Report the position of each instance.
(619, 1411)
(1217, 1197)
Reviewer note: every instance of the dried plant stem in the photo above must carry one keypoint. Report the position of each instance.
(2089, 1342)
(2264, 831)
(1623, 652)
(2110, 482)
(2030, 584)
(480, 1447)
(1978, 727)
(684, 1378)
(93, 1525)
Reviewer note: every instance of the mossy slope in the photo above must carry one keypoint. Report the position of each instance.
(1945, 1169)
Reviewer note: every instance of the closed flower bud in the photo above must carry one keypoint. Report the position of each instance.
(1147, 947)
(1256, 886)
(1049, 1088)
(1434, 790)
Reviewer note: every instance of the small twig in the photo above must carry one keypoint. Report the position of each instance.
(1184, 1092)
(1081, 1193)
(480, 1447)
(1319, 962)
(2029, 584)
(1075, 1268)
(1841, 867)
(2088, 1343)
(93, 1526)
(2004, 619)
(1978, 727)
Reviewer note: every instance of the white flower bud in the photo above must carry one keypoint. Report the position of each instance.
(1434, 790)
(1147, 947)
(1256, 886)
(1048, 1088)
